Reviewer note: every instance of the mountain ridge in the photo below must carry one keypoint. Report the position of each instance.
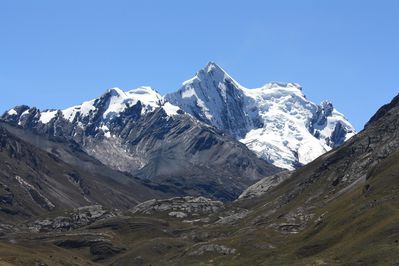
(152, 141)
(275, 121)
(262, 118)
(340, 209)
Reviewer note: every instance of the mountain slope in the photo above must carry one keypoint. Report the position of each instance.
(341, 209)
(276, 121)
(354, 161)
(34, 182)
(137, 133)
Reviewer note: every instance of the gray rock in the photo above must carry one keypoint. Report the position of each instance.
(179, 152)
(71, 220)
(261, 187)
(179, 206)
(234, 217)
(178, 214)
(220, 249)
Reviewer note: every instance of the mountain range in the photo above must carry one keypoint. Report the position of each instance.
(276, 121)
(212, 174)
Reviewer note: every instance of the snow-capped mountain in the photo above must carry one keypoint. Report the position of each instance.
(276, 121)
(115, 101)
(140, 133)
(97, 116)
(213, 97)
(103, 121)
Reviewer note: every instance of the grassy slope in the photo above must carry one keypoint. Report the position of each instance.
(313, 218)
(360, 227)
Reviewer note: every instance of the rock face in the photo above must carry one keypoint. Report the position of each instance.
(342, 204)
(38, 176)
(264, 185)
(276, 121)
(71, 220)
(180, 207)
(212, 137)
(135, 132)
(220, 249)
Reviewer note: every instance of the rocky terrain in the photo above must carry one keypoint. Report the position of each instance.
(179, 206)
(39, 176)
(264, 185)
(341, 209)
(276, 121)
(174, 150)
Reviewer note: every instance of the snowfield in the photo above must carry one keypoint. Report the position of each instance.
(275, 121)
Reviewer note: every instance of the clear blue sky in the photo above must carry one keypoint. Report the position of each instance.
(54, 54)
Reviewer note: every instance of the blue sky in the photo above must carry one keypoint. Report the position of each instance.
(54, 54)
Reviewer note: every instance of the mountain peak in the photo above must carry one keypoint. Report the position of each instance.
(143, 90)
(214, 70)
(115, 92)
(211, 66)
(209, 73)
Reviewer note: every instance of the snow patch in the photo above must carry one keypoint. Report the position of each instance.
(12, 112)
(84, 109)
(118, 101)
(170, 109)
(46, 117)
(106, 131)
(25, 113)
(146, 95)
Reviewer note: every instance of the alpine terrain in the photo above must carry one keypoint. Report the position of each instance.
(275, 121)
(137, 133)
(340, 209)
(211, 174)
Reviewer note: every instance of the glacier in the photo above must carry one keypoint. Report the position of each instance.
(275, 121)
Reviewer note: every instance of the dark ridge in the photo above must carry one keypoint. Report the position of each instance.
(383, 110)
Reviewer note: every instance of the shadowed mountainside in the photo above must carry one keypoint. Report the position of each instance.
(341, 209)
